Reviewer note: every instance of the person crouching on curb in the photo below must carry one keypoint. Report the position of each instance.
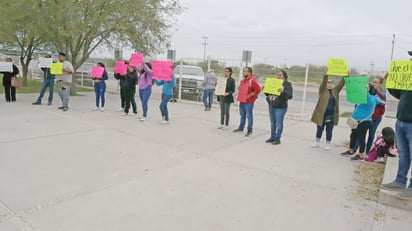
(246, 107)
(100, 88)
(278, 106)
(167, 94)
(326, 113)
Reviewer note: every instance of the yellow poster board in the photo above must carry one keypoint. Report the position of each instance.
(400, 75)
(56, 68)
(272, 86)
(337, 67)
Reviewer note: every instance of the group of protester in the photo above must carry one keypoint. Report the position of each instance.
(367, 116)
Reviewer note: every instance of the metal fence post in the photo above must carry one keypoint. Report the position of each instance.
(304, 91)
(180, 79)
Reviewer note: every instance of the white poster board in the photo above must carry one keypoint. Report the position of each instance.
(45, 62)
(220, 86)
(6, 67)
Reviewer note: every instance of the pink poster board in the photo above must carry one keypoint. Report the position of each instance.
(136, 60)
(97, 72)
(243, 89)
(120, 68)
(162, 70)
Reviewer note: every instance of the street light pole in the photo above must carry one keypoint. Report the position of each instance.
(204, 46)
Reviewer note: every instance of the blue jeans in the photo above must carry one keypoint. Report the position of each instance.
(47, 83)
(371, 135)
(208, 98)
(404, 142)
(63, 89)
(246, 110)
(100, 89)
(163, 106)
(329, 129)
(276, 122)
(144, 95)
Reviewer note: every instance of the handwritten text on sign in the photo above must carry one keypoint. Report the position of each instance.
(45, 62)
(272, 86)
(357, 89)
(243, 90)
(6, 66)
(337, 67)
(56, 68)
(136, 60)
(162, 70)
(400, 75)
(97, 72)
(120, 68)
(220, 86)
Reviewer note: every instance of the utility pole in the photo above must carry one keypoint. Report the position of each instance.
(372, 65)
(204, 46)
(393, 46)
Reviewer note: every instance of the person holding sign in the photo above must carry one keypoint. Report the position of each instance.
(9, 90)
(403, 134)
(48, 82)
(209, 86)
(226, 99)
(326, 113)
(100, 87)
(249, 89)
(167, 94)
(120, 74)
(128, 84)
(278, 106)
(64, 81)
(145, 87)
(363, 115)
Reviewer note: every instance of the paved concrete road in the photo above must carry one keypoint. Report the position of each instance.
(82, 170)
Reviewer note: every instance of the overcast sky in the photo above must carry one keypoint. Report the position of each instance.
(296, 32)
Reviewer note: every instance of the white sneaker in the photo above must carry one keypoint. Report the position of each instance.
(142, 119)
(135, 114)
(225, 128)
(95, 109)
(164, 122)
(315, 145)
(124, 114)
(326, 148)
(120, 109)
(380, 160)
(102, 109)
(220, 126)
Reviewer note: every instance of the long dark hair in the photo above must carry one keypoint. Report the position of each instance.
(388, 135)
(285, 75)
(229, 69)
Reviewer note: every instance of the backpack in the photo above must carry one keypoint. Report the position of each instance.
(251, 85)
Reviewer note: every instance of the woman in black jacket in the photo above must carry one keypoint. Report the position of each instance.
(278, 105)
(9, 91)
(128, 89)
(226, 99)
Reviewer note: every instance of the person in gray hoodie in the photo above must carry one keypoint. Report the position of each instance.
(209, 85)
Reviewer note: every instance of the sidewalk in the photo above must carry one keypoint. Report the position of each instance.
(82, 170)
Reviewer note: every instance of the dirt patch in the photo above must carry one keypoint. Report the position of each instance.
(370, 178)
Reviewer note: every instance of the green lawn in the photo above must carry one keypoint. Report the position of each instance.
(33, 86)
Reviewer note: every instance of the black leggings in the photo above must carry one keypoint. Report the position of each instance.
(359, 134)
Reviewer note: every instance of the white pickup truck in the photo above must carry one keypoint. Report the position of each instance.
(192, 78)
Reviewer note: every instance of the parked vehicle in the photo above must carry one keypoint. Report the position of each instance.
(192, 79)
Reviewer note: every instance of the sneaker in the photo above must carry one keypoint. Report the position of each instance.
(405, 194)
(326, 148)
(36, 103)
(270, 140)
(120, 109)
(238, 130)
(315, 145)
(164, 122)
(49, 103)
(357, 157)
(347, 153)
(65, 109)
(393, 186)
(95, 109)
(60, 108)
(248, 134)
(220, 126)
(125, 114)
(142, 118)
(276, 142)
(102, 109)
(225, 128)
(135, 114)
